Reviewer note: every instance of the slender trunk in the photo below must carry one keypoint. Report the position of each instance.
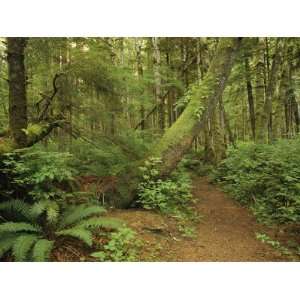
(140, 72)
(158, 90)
(266, 120)
(250, 97)
(226, 123)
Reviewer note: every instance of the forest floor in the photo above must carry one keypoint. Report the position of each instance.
(226, 231)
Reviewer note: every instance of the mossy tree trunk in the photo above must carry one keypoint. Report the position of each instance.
(178, 139)
(17, 90)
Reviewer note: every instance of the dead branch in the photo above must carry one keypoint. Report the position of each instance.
(48, 99)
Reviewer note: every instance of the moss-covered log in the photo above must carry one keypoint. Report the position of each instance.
(178, 139)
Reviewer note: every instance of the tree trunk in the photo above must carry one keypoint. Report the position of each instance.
(178, 139)
(259, 94)
(266, 120)
(140, 77)
(158, 92)
(250, 97)
(17, 90)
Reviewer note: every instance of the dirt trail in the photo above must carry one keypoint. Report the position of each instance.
(226, 232)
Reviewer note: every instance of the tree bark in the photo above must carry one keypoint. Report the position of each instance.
(140, 77)
(250, 97)
(158, 91)
(17, 90)
(266, 119)
(178, 139)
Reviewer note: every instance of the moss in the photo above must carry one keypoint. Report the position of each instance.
(6, 145)
(34, 130)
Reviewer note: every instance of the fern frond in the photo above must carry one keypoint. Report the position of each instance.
(42, 250)
(17, 227)
(39, 207)
(52, 212)
(51, 209)
(104, 222)
(16, 206)
(79, 233)
(6, 243)
(22, 246)
(80, 212)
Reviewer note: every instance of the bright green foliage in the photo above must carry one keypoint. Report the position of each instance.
(32, 226)
(163, 195)
(10, 227)
(36, 175)
(123, 246)
(22, 245)
(79, 212)
(265, 177)
(42, 249)
(30, 240)
(79, 233)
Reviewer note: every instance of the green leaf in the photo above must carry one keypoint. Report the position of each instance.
(6, 243)
(22, 246)
(42, 250)
(79, 233)
(17, 206)
(80, 212)
(17, 227)
(96, 222)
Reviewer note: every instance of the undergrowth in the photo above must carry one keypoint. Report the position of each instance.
(39, 212)
(171, 196)
(266, 178)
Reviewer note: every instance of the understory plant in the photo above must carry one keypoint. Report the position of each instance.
(266, 178)
(36, 229)
(122, 246)
(36, 212)
(171, 196)
(165, 195)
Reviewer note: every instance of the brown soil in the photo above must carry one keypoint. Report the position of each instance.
(226, 231)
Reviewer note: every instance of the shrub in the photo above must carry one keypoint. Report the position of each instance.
(123, 246)
(265, 177)
(164, 195)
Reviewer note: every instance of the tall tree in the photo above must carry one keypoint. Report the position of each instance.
(17, 90)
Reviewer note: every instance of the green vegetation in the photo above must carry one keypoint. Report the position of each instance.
(265, 177)
(166, 195)
(39, 217)
(92, 125)
(123, 246)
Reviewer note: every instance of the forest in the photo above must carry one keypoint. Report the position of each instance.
(149, 149)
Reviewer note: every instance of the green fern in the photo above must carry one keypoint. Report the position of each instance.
(42, 249)
(22, 246)
(51, 209)
(103, 222)
(18, 227)
(17, 206)
(80, 212)
(79, 233)
(52, 212)
(6, 243)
